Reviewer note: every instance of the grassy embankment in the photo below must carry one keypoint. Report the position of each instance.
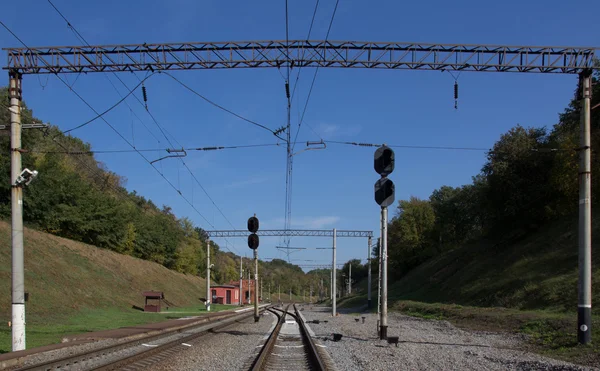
(75, 288)
(526, 286)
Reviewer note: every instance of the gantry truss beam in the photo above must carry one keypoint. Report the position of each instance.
(291, 233)
(302, 53)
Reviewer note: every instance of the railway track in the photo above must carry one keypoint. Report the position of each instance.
(290, 346)
(140, 353)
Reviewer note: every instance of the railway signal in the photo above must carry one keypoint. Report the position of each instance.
(253, 239)
(384, 163)
(253, 224)
(384, 160)
(253, 244)
(384, 192)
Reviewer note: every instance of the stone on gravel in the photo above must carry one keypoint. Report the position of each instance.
(423, 345)
(225, 349)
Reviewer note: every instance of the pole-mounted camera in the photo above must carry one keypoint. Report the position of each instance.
(25, 177)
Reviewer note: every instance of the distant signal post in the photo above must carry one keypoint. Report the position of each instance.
(384, 196)
(253, 244)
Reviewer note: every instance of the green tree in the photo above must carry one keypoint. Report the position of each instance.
(518, 174)
(410, 235)
(128, 245)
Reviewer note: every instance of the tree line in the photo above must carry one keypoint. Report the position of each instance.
(530, 178)
(78, 197)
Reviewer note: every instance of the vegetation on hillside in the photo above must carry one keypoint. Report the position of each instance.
(78, 197)
(529, 180)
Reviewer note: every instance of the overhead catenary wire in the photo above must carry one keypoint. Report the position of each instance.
(355, 144)
(213, 148)
(161, 129)
(304, 52)
(359, 144)
(124, 139)
(193, 91)
(81, 39)
(289, 157)
(93, 172)
(315, 74)
(287, 45)
(290, 146)
(478, 149)
(107, 110)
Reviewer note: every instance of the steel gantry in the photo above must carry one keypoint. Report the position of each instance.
(301, 53)
(334, 233)
(290, 233)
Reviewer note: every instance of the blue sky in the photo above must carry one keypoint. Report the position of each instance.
(332, 187)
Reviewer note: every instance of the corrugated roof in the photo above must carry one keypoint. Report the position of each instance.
(153, 294)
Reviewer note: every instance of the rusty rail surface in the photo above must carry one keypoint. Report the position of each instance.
(261, 360)
(314, 359)
(313, 353)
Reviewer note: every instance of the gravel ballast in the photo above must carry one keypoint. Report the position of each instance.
(423, 345)
(229, 348)
(67, 352)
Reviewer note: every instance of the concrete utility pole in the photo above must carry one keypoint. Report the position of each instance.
(249, 288)
(369, 275)
(208, 294)
(256, 317)
(241, 282)
(331, 283)
(16, 193)
(321, 290)
(279, 292)
(333, 275)
(320, 294)
(262, 298)
(310, 294)
(269, 291)
(384, 219)
(290, 294)
(350, 278)
(584, 308)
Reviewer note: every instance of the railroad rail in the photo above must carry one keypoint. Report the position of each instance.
(139, 353)
(290, 346)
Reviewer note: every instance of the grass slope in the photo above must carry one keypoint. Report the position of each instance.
(75, 287)
(527, 286)
(537, 272)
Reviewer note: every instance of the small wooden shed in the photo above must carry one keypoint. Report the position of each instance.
(153, 295)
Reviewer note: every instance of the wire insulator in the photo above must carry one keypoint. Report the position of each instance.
(455, 94)
(455, 89)
(144, 94)
(287, 90)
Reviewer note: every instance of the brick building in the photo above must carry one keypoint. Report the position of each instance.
(225, 294)
(247, 290)
(230, 293)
